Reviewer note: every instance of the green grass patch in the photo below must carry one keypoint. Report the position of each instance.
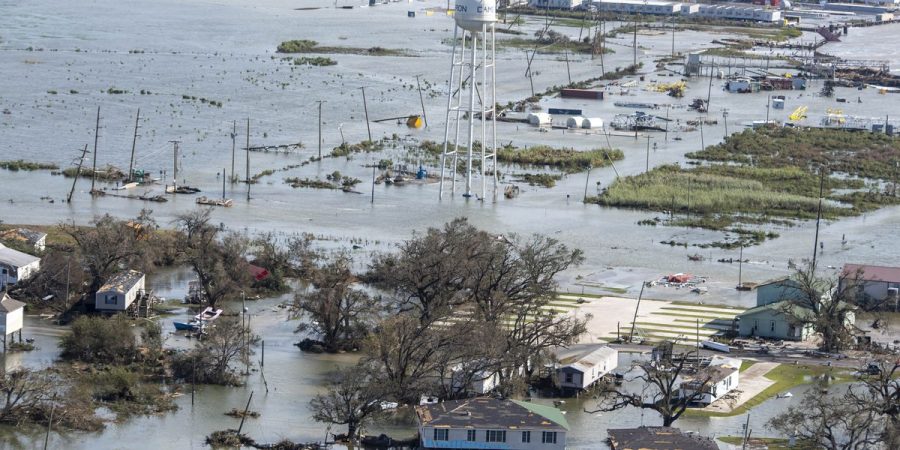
(546, 180)
(746, 364)
(309, 46)
(786, 376)
(684, 303)
(314, 61)
(565, 159)
(21, 164)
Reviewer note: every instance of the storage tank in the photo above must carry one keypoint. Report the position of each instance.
(575, 122)
(592, 123)
(472, 14)
(539, 119)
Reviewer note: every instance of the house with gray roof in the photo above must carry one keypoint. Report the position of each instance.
(658, 438)
(16, 266)
(120, 291)
(581, 371)
(490, 423)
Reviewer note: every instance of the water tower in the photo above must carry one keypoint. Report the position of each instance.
(471, 96)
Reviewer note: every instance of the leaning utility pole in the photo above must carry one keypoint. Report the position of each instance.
(366, 110)
(96, 132)
(422, 101)
(320, 127)
(233, 138)
(635, 44)
(137, 118)
(77, 173)
(248, 159)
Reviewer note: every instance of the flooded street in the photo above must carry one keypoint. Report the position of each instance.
(59, 60)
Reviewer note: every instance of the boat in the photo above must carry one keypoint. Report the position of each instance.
(226, 202)
(189, 326)
(712, 345)
(785, 395)
(208, 315)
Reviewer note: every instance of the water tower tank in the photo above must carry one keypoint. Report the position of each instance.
(472, 14)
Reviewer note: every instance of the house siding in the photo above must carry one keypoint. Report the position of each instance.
(12, 321)
(777, 291)
(456, 439)
(772, 325)
(122, 299)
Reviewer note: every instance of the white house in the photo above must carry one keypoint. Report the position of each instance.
(579, 372)
(876, 285)
(16, 266)
(649, 7)
(36, 239)
(723, 375)
(480, 382)
(733, 12)
(489, 423)
(11, 317)
(555, 4)
(120, 291)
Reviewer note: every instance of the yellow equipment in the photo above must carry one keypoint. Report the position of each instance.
(799, 113)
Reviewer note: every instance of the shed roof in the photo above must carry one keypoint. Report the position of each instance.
(16, 258)
(8, 304)
(795, 310)
(658, 438)
(867, 272)
(585, 362)
(122, 281)
(25, 234)
(486, 412)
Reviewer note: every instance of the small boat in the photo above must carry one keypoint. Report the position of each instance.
(785, 395)
(208, 315)
(190, 326)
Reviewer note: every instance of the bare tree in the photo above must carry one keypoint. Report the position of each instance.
(878, 389)
(23, 392)
(825, 305)
(212, 361)
(338, 313)
(831, 422)
(425, 276)
(661, 389)
(111, 245)
(220, 265)
(352, 399)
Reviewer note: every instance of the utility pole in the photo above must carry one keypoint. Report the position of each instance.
(635, 44)
(175, 169)
(768, 101)
(818, 216)
(673, 36)
(709, 89)
(740, 266)
(702, 144)
(366, 110)
(320, 127)
(96, 133)
(374, 167)
(648, 155)
(78, 173)
(586, 182)
(725, 120)
(133, 145)
(233, 142)
(568, 72)
(422, 101)
(248, 159)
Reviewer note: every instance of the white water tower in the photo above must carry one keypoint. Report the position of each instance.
(471, 95)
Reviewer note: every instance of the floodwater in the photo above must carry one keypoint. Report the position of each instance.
(59, 59)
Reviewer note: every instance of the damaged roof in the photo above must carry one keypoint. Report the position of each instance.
(122, 281)
(658, 438)
(486, 412)
(8, 304)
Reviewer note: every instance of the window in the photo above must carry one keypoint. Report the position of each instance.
(496, 436)
(470, 435)
(111, 300)
(548, 437)
(526, 437)
(441, 434)
(569, 377)
(772, 327)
